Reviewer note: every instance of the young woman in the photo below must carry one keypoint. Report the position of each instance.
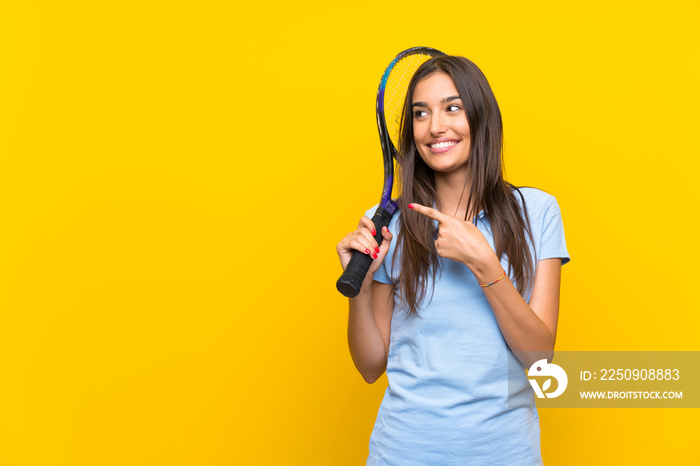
(467, 277)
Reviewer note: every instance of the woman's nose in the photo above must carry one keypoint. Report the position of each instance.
(437, 124)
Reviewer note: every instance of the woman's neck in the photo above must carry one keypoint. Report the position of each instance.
(452, 191)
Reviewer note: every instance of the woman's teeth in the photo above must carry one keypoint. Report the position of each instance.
(442, 145)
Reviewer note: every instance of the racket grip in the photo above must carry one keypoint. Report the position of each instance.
(350, 282)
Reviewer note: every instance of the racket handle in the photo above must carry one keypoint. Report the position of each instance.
(350, 281)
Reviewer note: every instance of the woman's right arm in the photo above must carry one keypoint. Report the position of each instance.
(369, 319)
(369, 328)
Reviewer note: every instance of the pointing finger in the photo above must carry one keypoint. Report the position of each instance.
(428, 211)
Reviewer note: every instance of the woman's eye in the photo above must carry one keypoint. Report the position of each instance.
(419, 113)
(453, 108)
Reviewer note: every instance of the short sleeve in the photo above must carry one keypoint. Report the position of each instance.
(381, 274)
(552, 240)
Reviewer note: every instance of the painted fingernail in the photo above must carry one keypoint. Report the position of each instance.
(367, 251)
(410, 206)
(374, 232)
(376, 250)
(387, 230)
(374, 256)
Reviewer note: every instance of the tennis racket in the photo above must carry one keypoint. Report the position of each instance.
(390, 100)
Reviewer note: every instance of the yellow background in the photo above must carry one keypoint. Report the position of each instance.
(174, 177)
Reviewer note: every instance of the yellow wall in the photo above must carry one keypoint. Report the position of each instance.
(174, 177)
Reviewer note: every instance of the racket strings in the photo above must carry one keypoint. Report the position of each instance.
(395, 92)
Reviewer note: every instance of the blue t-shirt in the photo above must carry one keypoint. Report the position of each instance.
(449, 401)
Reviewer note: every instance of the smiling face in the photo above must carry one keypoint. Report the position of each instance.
(440, 126)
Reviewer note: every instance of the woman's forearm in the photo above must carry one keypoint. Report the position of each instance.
(368, 347)
(522, 328)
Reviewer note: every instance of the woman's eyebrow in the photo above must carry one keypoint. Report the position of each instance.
(443, 101)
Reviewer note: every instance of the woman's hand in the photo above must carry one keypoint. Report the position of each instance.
(363, 240)
(457, 239)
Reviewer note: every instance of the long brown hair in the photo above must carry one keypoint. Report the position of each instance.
(488, 189)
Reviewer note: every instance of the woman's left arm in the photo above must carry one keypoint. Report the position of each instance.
(529, 329)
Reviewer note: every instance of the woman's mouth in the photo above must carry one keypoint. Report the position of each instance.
(442, 146)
